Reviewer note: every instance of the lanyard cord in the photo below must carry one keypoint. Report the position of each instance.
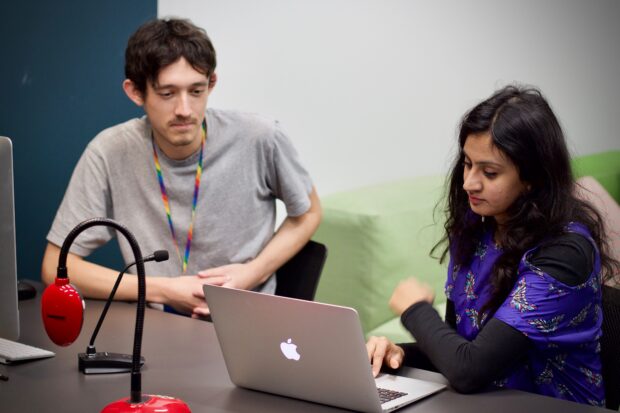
(164, 196)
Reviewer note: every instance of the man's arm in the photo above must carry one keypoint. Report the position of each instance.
(96, 281)
(291, 236)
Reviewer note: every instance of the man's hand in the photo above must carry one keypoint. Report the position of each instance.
(184, 293)
(381, 350)
(239, 276)
(409, 292)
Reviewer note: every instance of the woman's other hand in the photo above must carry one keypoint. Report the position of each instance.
(409, 292)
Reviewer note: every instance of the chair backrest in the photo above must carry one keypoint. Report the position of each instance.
(610, 346)
(299, 277)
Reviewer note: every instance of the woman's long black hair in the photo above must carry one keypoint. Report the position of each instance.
(525, 129)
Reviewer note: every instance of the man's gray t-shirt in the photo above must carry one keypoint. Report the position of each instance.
(248, 162)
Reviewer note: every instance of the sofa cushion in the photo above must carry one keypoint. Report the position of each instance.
(376, 237)
(393, 330)
(604, 167)
(591, 190)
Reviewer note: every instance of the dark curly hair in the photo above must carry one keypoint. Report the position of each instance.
(523, 126)
(159, 43)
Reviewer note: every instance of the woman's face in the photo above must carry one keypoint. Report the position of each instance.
(490, 178)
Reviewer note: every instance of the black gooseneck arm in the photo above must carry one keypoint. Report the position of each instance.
(136, 377)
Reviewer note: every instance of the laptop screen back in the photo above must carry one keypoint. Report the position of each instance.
(293, 347)
(9, 315)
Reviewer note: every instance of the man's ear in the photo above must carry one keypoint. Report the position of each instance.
(212, 81)
(132, 92)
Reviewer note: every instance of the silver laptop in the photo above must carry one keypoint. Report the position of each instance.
(303, 349)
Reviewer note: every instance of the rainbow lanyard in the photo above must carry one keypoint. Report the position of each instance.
(164, 197)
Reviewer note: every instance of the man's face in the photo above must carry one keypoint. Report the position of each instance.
(175, 105)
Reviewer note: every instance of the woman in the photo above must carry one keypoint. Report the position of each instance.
(526, 258)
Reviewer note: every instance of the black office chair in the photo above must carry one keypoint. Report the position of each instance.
(299, 277)
(610, 346)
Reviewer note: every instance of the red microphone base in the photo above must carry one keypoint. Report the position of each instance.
(150, 403)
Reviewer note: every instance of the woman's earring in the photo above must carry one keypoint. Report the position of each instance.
(482, 218)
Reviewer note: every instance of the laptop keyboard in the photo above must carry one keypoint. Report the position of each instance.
(386, 395)
(11, 351)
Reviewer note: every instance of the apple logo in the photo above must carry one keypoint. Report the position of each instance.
(289, 350)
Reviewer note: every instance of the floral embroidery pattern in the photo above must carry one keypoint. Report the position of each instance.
(472, 313)
(481, 250)
(519, 301)
(597, 313)
(563, 390)
(596, 403)
(581, 286)
(546, 376)
(547, 326)
(469, 286)
(594, 284)
(555, 290)
(449, 289)
(591, 377)
(580, 318)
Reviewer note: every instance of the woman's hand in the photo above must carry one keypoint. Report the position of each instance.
(409, 292)
(381, 350)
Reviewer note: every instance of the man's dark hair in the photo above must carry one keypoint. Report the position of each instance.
(159, 43)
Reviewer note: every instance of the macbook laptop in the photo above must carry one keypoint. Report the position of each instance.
(303, 349)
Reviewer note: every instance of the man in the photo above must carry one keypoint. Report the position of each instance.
(145, 174)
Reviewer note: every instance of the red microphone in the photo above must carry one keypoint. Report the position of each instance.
(62, 309)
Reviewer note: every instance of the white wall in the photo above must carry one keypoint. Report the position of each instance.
(373, 90)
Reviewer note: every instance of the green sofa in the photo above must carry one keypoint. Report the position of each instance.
(379, 235)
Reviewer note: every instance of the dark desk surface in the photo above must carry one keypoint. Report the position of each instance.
(183, 360)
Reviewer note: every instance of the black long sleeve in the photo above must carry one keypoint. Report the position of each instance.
(568, 258)
(469, 366)
(450, 315)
